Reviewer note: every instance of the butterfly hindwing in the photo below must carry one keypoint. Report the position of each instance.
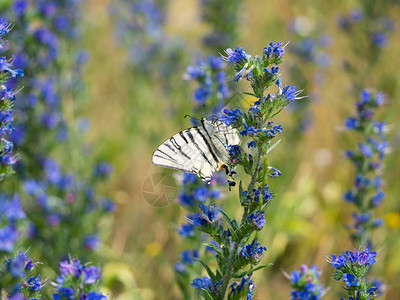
(199, 150)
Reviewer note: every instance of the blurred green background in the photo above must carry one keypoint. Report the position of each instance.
(131, 112)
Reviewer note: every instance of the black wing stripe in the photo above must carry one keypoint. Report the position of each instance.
(190, 135)
(183, 137)
(170, 147)
(211, 141)
(208, 144)
(176, 145)
(170, 157)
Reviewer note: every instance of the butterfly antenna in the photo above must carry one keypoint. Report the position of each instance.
(194, 118)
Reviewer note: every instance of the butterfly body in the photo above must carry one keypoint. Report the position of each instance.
(200, 150)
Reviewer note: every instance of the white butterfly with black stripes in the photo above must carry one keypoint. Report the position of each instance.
(200, 150)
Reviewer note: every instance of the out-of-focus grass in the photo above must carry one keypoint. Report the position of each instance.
(131, 115)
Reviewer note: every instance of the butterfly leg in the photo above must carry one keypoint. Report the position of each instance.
(231, 184)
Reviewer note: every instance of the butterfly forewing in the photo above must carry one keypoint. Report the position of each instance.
(199, 150)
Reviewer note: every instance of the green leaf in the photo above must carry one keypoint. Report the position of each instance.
(218, 275)
(247, 272)
(215, 249)
(231, 224)
(207, 295)
(273, 146)
(209, 271)
(250, 94)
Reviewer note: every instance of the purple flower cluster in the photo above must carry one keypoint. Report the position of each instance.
(195, 193)
(367, 193)
(306, 284)
(140, 30)
(310, 43)
(210, 77)
(243, 289)
(209, 216)
(376, 27)
(78, 281)
(7, 98)
(17, 280)
(10, 213)
(58, 193)
(253, 252)
(352, 267)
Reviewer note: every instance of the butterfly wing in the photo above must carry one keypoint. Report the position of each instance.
(222, 136)
(199, 150)
(188, 151)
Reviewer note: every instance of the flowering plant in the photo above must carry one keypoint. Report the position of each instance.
(353, 267)
(236, 245)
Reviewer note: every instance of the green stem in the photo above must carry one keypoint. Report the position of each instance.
(229, 272)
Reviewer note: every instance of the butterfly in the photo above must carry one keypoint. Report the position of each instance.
(199, 150)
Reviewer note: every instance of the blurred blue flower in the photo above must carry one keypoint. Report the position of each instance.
(350, 279)
(253, 251)
(274, 49)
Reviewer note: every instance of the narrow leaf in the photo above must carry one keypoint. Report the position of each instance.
(209, 271)
(273, 146)
(218, 251)
(247, 272)
(250, 94)
(207, 295)
(232, 225)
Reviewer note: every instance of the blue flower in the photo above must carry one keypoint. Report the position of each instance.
(202, 283)
(365, 96)
(379, 39)
(365, 150)
(201, 94)
(73, 267)
(272, 71)
(267, 194)
(349, 196)
(34, 283)
(66, 292)
(352, 123)
(90, 274)
(274, 50)
(377, 287)
(246, 286)
(186, 230)
(201, 193)
(377, 198)
(337, 262)
(289, 92)
(249, 130)
(253, 251)
(92, 242)
(16, 265)
(295, 277)
(257, 219)
(350, 279)
(230, 117)
(8, 237)
(189, 256)
(366, 257)
(186, 199)
(351, 256)
(273, 172)
(210, 215)
(237, 56)
(103, 169)
(189, 178)
(6, 66)
(251, 144)
(180, 267)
